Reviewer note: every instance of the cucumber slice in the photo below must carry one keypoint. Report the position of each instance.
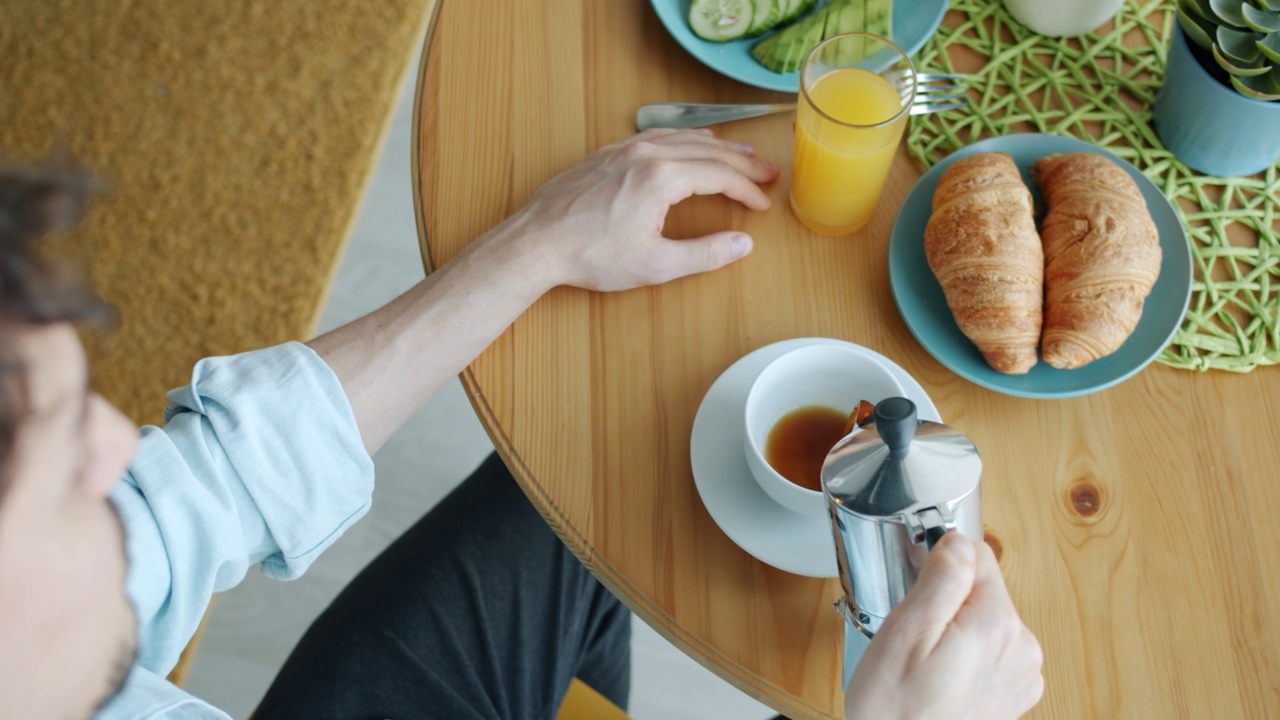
(851, 18)
(766, 15)
(793, 9)
(879, 18)
(776, 51)
(721, 20)
(844, 14)
(785, 50)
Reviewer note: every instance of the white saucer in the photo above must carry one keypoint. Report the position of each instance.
(787, 540)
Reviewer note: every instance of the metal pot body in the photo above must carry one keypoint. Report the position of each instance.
(880, 557)
(893, 488)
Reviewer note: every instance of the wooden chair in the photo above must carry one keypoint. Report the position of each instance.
(584, 703)
(178, 676)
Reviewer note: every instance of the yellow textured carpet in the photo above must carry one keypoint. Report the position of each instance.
(235, 140)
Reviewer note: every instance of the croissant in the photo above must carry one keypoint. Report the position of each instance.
(1102, 256)
(982, 245)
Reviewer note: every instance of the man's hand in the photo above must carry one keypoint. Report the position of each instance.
(599, 225)
(954, 648)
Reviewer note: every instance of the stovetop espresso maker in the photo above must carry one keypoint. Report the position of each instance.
(893, 487)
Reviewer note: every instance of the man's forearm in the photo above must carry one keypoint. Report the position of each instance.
(393, 360)
(596, 226)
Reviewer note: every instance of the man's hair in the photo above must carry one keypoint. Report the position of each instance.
(37, 201)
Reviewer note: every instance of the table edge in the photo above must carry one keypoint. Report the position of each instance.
(658, 619)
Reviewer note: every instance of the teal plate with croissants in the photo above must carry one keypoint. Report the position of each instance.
(924, 307)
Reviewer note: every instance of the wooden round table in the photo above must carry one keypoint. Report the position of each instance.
(1137, 526)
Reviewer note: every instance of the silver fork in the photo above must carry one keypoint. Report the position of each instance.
(934, 93)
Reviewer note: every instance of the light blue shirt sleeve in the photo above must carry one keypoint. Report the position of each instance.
(148, 696)
(259, 462)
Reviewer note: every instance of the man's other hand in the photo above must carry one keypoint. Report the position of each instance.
(599, 225)
(955, 647)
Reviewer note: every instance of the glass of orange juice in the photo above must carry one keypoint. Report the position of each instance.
(855, 93)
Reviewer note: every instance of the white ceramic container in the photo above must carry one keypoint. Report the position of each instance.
(1063, 18)
(834, 376)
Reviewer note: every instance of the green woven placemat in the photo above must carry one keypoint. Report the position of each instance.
(1096, 89)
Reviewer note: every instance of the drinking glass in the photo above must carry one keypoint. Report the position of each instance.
(855, 93)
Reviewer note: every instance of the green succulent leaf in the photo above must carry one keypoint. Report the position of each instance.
(1260, 20)
(1200, 10)
(1229, 12)
(1239, 69)
(1199, 31)
(1259, 87)
(1243, 37)
(1240, 48)
(1270, 47)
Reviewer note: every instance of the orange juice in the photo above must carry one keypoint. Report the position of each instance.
(840, 167)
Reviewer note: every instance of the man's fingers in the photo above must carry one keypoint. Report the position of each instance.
(708, 150)
(678, 258)
(1033, 689)
(681, 179)
(704, 138)
(735, 157)
(989, 608)
(1028, 687)
(688, 145)
(940, 591)
(655, 133)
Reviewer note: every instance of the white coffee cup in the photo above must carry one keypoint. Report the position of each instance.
(1063, 18)
(826, 375)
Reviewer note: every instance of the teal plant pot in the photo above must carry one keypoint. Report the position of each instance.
(1208, 125)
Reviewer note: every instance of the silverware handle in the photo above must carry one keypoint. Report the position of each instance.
(691, 115)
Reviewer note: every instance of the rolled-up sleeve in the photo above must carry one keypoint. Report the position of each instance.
(259, 462)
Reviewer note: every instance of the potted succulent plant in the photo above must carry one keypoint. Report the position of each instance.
(1219, 108)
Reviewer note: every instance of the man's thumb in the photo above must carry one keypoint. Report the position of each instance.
(710, 252)
(942, 587)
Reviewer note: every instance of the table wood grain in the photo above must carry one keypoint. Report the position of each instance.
(1137, 526)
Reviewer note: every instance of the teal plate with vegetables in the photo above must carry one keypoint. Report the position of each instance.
(914, 22)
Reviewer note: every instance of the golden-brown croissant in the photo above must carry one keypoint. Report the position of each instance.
(1102, 256)
(982, 245)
